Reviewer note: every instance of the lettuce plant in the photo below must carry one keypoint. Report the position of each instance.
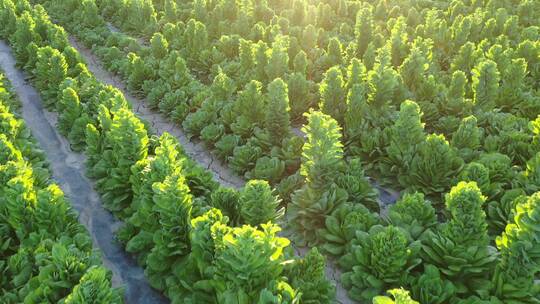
(406, 135)
(171, 241)
(258, 205)
(377, 260)
(341, 227)
(246, 261)
(460, 247)
(514, 278)
(467, 138)
(308, 276)
(227, 200)
(357, 185)
(93, 288)
(277, 120)
(412, 213)
(431, 287)
(50, 71)
(333, 93)
(322, 162)
(244, 157)
(433, 166)
(322, 154)
(268, 168)
(123, 145)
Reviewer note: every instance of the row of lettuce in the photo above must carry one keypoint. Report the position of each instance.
(191, 235)
(46, 255)
(490, 74)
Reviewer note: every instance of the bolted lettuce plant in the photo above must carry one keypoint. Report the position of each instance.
(406, 135)
(514, 279)
(308, 276)
(460, 247)
(378, 259)
(322, 163)
(258, 205)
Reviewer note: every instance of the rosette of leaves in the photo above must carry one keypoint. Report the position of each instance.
(173, 204)
(358, 187)
(501, 212)
(267, 168)
(144, 220)
(333, 93)
(277, 120)
(377, 260)
(195, 122)
(308, 209)
(227, 200)
(341, 226)
(485, 85)
(212, 133)
(290, 152)
(433, 167)
(307, 275)
(224, 147)
(431, 287)
(502, 174)
(460, 247)
(247, 261)
(405, 136)
(412, 213)
(137, 71)
(94, 288)
(514, 279)
(401, 296)
(467, 138)
(532, 174)
(288, 185)
(258, 205)
(122, 142)
(50, 72)
(58, 267)
(244, 157)
(322, 153)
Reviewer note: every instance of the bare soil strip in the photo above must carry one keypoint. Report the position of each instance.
(68, 171)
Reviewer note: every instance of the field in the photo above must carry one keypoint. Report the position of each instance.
(250, 151)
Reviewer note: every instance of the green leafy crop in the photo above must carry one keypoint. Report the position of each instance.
(258, 205)
(378, 259)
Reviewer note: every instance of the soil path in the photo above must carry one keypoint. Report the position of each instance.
(68, 171)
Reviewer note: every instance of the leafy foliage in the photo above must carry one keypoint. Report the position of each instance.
(377, 259)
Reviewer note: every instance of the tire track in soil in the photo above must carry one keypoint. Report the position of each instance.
(67, 168)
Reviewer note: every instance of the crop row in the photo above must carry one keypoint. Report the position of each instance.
(46, 256)
(190, 249)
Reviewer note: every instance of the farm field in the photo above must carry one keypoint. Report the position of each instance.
(301, 151)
